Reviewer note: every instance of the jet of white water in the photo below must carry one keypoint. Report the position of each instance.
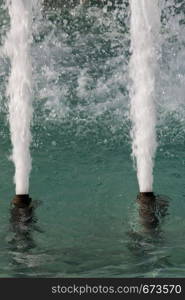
(19, 90)
(145, 27)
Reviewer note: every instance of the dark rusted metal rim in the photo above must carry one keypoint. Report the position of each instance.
(146, 197)
(22, 200)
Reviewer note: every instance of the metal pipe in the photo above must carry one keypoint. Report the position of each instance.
(22, 201)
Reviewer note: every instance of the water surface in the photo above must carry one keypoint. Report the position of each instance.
(86, 223)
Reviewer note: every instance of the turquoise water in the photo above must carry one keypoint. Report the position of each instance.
(86, 222)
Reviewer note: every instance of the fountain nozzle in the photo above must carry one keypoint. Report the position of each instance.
(148, 210)
(146, 197)
(22, 201)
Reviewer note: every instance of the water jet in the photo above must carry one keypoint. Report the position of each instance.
(145, 29)
(17, 48)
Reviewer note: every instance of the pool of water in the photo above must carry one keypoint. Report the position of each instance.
(86, 223)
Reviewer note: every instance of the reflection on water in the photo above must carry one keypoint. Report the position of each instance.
(148, 236)
(96, 245)
(23, 222)
(152, 210)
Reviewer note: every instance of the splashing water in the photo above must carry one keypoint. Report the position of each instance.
(19, 90)
(145, 24)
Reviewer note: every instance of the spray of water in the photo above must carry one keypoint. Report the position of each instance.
(145, 25)
(19, 90)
